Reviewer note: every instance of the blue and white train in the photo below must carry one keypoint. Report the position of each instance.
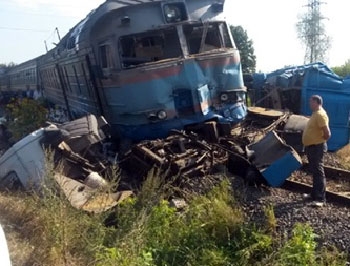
(147, 66)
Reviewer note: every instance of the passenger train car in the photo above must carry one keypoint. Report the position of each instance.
(20, 80)
(147, 66)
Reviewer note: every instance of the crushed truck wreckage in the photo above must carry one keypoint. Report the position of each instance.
(253, 149)
(79, 163)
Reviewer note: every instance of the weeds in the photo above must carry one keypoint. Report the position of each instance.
(271, 221)
(331, 257)
(211, 231)
(145, 230)
(300, 249)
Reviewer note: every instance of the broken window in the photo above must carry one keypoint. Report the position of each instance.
(71, 42)
(149, 47)
(106, 57)
(206, 37)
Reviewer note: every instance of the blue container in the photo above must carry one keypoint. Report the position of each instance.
(336, 101)
(281, 169)
(275, 160)
(340, 137)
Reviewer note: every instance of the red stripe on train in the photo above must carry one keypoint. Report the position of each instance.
(223, 61)
(128, 77)
(138, 75)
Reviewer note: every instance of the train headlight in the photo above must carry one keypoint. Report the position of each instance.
(162, 115)
(224, 97)
(175, 12)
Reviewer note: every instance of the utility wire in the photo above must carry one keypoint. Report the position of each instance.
(46, 3)
(22, 29)
(36, 14)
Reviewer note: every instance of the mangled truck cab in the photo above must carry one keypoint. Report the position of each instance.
(24, 164)
(78, 163)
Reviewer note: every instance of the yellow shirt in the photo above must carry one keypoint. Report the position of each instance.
(313, 132)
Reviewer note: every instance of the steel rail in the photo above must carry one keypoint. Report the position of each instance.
(342, 198)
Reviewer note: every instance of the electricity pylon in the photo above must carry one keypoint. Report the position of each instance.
(312, 33)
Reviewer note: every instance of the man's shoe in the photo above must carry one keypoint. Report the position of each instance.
(307, 196)
(318, 204)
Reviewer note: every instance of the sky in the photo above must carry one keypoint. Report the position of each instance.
(26, 24)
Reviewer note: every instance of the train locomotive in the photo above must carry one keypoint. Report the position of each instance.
(147, 66)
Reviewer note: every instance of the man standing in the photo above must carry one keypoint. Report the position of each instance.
(315, 136)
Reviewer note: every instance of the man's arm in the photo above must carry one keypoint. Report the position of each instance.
(326, 132)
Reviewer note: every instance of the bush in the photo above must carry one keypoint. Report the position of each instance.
(24, 117)
(211, 231)
(300, 249)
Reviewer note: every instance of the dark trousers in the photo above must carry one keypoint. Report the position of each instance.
(314, 155)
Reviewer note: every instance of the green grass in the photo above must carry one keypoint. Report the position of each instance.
(212, 230)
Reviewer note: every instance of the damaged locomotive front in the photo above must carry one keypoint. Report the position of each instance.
(149, 67)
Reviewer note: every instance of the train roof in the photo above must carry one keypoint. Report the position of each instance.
(82, 30)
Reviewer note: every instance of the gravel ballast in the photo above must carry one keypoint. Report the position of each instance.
(331, 223)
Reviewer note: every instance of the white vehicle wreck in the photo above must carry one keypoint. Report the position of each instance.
(78, 159)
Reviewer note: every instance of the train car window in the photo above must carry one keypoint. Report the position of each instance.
(57, 80)
(48, 80)
(152, 47)
(43, 78)
(27, 76)
(77, 79)
(52, 78)
(19, 78)
(86, 79)
(106, 58)
(206, 37)
(34, 75)
(67, 79)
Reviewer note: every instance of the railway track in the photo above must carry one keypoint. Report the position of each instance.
(338, 184)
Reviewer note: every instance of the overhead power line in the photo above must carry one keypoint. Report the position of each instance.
(23, 29)
(16, 12)
(54, 4)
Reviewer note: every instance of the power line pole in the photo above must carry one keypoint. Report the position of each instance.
(311, 31)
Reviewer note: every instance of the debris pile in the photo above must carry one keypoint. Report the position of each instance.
(252, 150)
(180, 154)
(82, 158)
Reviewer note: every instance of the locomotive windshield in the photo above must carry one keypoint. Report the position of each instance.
(163, 44)
(206, 37)
(150, 47)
